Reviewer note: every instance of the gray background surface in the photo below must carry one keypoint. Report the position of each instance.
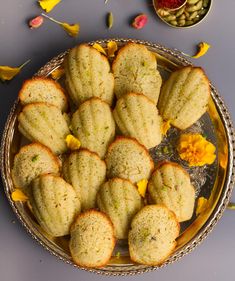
(21, 258)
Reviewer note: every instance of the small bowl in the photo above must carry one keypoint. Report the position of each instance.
(196, 16)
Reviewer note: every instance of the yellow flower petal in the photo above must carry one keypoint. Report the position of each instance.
(99, 48)
(142, 187)
(18, 195)
(196, 150)
(48, 5)
(72, 142)
(201, 205)
(203, 48)
(165, 127)
(71, 29)
(7, 72)
(57, 73)
(112, 48)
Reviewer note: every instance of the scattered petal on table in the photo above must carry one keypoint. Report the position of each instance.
(48, 5)
(7, 72)
(140, 21)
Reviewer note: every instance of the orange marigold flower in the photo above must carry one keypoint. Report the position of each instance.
(196, 150)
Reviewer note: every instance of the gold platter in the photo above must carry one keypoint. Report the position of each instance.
(214, 182)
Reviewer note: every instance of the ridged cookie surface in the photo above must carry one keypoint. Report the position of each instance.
(137, 117)
(41, 89)
(86, 172)
(152, 236)
(128, 159)
(92, 239)
(44, 123)
(54, 203)
(88, 75)
(135, 70)
(31, 161)
(94, 125)
(120, 200)
(184, 97)
(170, 185)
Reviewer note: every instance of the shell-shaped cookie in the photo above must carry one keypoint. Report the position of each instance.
(94, 125)
(88, 75)
(120, 200)
(135, 70)
(31, 161)
(92, 239)
(137, 117)
(128, 159)
(170, 185)
(184, 97)
(44, 123)
(152, 235)
(86, 172)
(41, 89)
(54, 203)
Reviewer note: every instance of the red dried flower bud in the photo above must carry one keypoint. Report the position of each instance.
(140, 21)
(36, 22)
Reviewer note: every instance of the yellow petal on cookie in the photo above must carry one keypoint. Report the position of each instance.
(71, 29)
(112, 48)
(48, 5)
(201, 205)
(203, 47)
(165, 127)
(99, 48)
(142, 187)
(57, 73)
(18, 195)
(72, 142)
(7, 72)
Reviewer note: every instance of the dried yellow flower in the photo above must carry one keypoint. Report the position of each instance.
(57, 73)
(71, 29)
(142, 187)
(196, 150)
(18, 195)
(201, 205)
(7, 72)
(203, 48)
(112, 48)
(99, 48)
(165, 127)
(72, 142)
(48, 5)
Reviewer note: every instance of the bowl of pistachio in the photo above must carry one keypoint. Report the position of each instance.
(189, 13)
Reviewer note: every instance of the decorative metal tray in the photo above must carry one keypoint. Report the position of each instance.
(214, 182)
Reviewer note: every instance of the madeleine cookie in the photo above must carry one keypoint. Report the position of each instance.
(170, 185)
(94, 125)
(44, 123)
(86, 172)
(41, 89)
(88, 75)
(135, 70)
(128, 159)
(184, 97)
(31, 161)
(54, 203)
(92, 239)
(152, 236)
(120, 200)
(137, 117)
